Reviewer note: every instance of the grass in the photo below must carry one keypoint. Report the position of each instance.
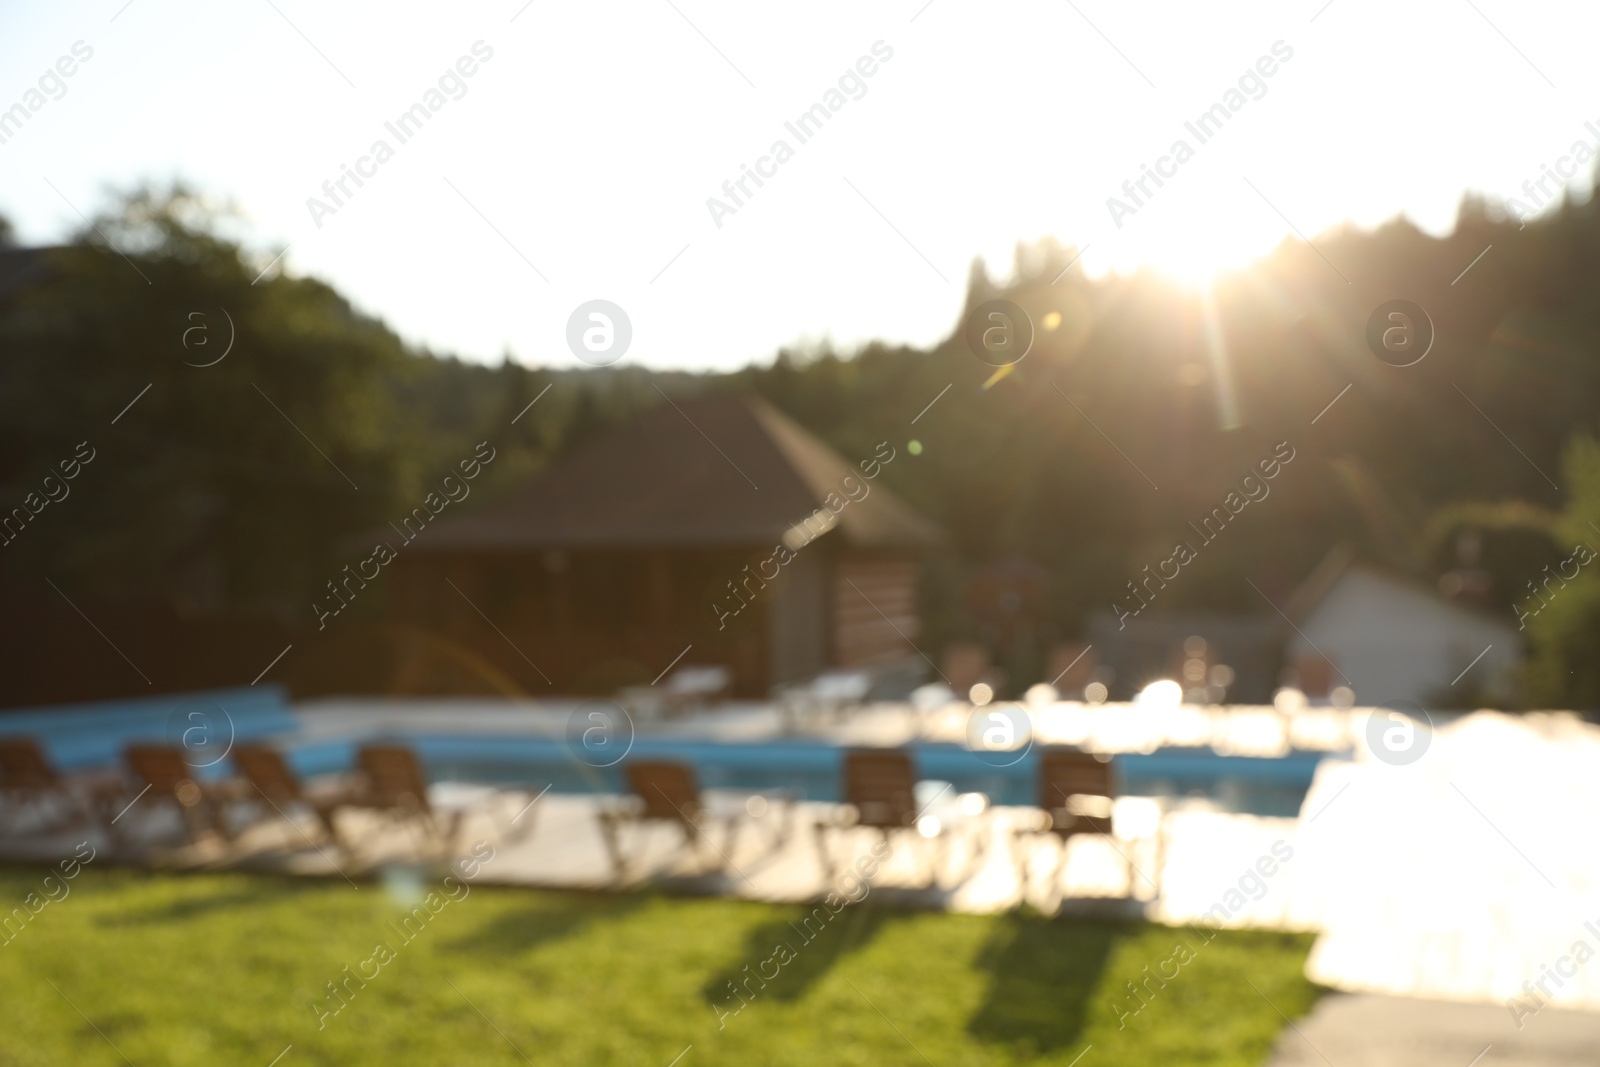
(221, 968)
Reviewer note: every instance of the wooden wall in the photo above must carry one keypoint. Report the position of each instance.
(875, 610)
(590, 621)
(594, 621)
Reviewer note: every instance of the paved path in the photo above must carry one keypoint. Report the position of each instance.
(1363, 1030)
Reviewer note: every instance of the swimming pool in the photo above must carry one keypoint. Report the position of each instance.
(812, 769)
(206, 726)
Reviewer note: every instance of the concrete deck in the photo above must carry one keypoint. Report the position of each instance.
(974, 865)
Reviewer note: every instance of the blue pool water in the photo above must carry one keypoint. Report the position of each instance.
(812, 769)
(206, 725)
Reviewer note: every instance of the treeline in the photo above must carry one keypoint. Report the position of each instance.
(1139, 406)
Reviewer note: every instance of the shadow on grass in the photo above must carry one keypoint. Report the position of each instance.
(184, 909)
(816, 941)
(556, 917)
(1042, 973)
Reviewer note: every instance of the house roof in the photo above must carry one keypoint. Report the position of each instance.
(712, 471)
(1342, 560)
(1320, 582)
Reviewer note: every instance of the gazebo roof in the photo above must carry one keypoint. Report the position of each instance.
(714, 471)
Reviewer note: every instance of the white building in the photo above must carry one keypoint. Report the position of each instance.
(1389, 637)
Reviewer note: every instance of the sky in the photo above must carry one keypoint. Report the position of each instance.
(576, 161)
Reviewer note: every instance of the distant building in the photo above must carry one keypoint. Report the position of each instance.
(1388, 636)
(714, 525)
(1375, 630)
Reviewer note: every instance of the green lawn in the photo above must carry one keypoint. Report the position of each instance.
(222, 969)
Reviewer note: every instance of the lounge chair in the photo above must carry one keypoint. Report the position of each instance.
(169, 778)
(661, 792)
(879, 794)
(828, 697)
(269, 777)
(692, 688)
(393, 783)
(1076, 796)
(30, 783)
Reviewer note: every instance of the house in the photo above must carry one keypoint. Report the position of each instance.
(1388, 637)
(708, 531)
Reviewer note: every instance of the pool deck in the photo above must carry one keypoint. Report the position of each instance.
(555, 841)
(1259, 731)
(1453, 880)
(977, 864)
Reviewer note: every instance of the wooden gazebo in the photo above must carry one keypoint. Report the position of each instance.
(716, 525)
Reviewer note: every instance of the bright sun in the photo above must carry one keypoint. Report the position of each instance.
(1196, 254)
(1193, 241)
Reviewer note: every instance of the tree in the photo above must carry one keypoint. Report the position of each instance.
(240, 427)
(1562, 610)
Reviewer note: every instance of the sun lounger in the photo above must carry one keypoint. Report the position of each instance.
(1077, 792)
(879, 794)
(29, 783)
(272, 781)
(393, 784)
(169, 779)
(658, 792)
